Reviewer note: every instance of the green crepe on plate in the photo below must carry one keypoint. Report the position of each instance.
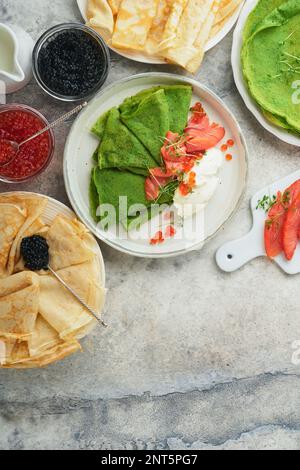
(99, 127)
(108, 185)
(271, 64)
(262, 9)
(93, 197)
(119, 148)
(178, 98)
(111, 184)
(150, 122)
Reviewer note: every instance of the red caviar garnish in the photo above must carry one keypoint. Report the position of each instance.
(170, 232)
(228, 157)
(188, 165)
(158, 238)
(224, 148)
(230, 143)
(185, 189)
(192, 179)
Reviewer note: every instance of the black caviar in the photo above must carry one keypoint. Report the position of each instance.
(35, 252)
(71, 63)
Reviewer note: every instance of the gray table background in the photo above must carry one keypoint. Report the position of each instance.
(194, 358)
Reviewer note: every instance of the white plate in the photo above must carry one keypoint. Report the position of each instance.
(139, 57)
(55, 208)
(81, 144)
(240, 82)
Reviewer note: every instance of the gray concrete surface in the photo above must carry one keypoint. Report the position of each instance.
(194, 358)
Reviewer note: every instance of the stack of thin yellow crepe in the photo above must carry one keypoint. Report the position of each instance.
(174, 30)
(40, 321)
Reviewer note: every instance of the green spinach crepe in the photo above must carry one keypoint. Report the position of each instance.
(131, 138)
(262, 9)
(271, 60)
(150, 122)
(119, 148)
(178, 98)
(108, 185)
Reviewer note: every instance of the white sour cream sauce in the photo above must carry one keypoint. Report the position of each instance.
(207, 180)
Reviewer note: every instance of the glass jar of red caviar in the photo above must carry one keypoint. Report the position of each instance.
(17, 123)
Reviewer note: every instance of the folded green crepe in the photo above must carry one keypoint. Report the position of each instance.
(111, 184)
(262, 9)
(108, 185)
(150, 122)
(119, 148)
(178, 98)
(93, 197)
(99, 127)
(271, 64)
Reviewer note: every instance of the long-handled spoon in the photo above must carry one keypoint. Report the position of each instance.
(77, 297)
(35, 252)
(10, 149)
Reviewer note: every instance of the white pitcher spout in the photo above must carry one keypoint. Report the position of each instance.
(18, 73)
(10, 67)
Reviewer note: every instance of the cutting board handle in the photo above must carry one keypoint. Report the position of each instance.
(235, 254)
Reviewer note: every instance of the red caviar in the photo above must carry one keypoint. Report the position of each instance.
(158, 238)
(224, 148)
(230, 143)
(228, 157)
(185, 189)
(7, 152)
(170, 232)
(18, 124)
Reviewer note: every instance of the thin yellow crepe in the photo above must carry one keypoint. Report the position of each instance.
(157, 30)
(115, 5)
(32, 207)
(134, 20)
(43, 338)
(19, 303)
(20, 358)
(67, 242)
(100, 18)
(203, 36)
(6, 348)
(64, 313)
(12, 217)
(42, 348)
(187, 44)
(227, 9)
(169, 35)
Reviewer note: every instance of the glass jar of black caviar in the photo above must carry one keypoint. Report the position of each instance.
(71, 62)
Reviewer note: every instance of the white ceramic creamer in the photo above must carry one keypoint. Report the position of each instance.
(15, 57)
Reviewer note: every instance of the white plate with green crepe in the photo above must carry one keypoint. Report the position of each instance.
(78, 164)
(249, 101)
